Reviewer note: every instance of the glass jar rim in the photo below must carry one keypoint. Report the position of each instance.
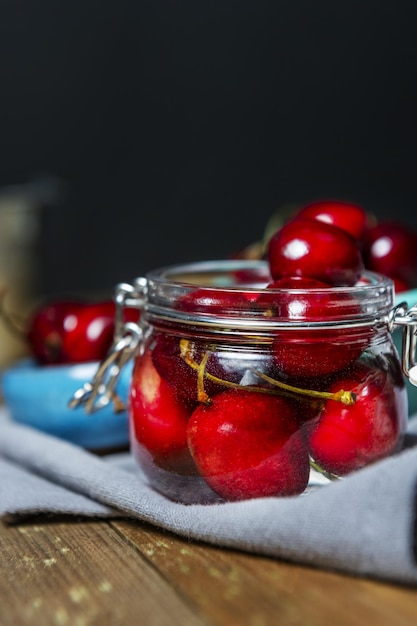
(166, 286)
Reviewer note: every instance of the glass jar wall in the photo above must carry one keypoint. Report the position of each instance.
(240, 391)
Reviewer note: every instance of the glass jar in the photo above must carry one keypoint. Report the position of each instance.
(241, 391)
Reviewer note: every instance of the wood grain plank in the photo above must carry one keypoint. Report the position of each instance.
(82, 574)
(235, 589)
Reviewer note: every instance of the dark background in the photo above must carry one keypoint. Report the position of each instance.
(177, 127)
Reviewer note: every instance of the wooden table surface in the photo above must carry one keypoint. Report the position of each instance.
(75, 572)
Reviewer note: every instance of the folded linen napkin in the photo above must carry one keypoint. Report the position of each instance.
(362, 525)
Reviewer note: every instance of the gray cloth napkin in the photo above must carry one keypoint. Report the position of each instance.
(362, 525)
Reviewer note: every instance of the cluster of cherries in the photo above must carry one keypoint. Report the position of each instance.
(71, 330)
(312, 400)
(388, 247)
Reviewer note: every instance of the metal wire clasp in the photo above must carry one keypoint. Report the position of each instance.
(127, 338)
(401, 315)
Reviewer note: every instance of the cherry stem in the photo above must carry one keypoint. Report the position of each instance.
(346, 397)
(186, 355)
(202, 395)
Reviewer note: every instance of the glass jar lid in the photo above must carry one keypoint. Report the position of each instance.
(235, 295)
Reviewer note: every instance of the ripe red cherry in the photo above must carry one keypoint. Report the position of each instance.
(158, 418)
(73, 331)
(252, 277)
(349, 216)
(88, 332)
(249, 445)
(311, 248)
(347, 438)
(277, 299)
(391, 249)
(312, 352)
(215, 301)
(46, 330)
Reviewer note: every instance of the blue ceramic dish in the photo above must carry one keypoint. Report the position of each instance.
(38, 396)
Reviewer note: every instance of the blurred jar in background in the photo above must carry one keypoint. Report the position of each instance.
(21, 211)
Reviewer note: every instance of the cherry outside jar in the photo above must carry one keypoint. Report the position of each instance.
(240, 392)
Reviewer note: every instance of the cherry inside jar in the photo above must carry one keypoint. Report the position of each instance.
(244, 390)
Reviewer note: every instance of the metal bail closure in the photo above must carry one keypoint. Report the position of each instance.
(127, 338)
(407, 318)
